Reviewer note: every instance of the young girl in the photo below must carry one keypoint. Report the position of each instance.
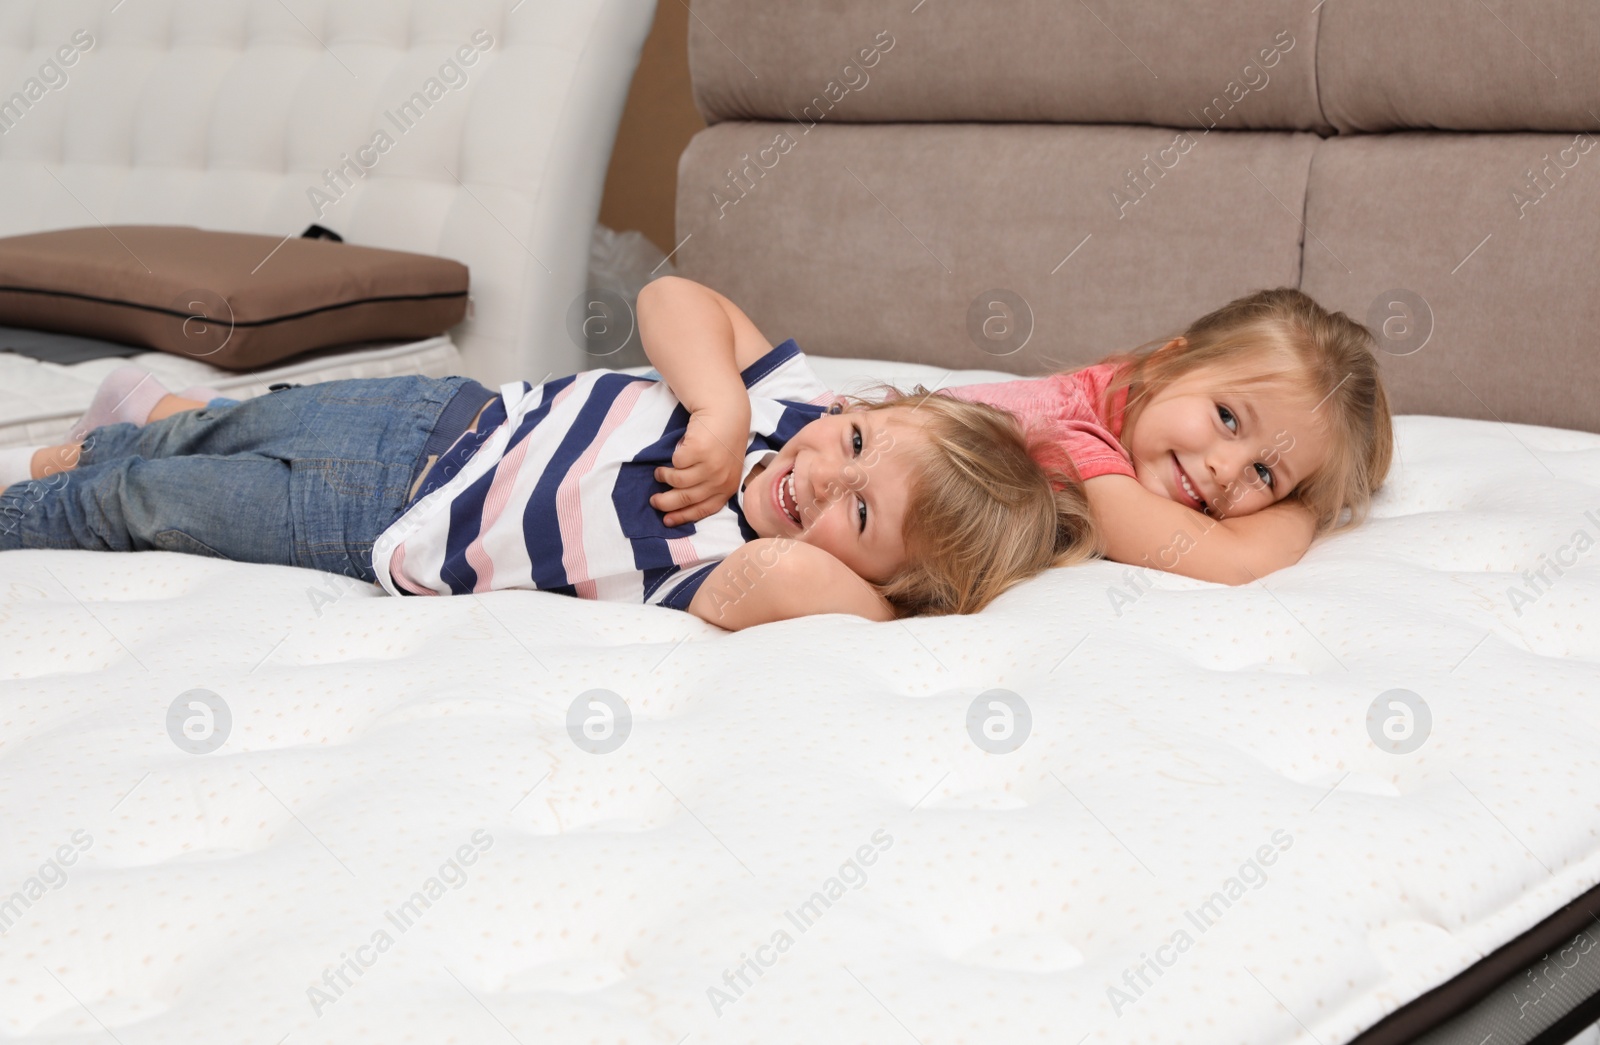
(1218, 455)
(924, 504)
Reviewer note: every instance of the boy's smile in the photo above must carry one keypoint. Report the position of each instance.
(841, 484)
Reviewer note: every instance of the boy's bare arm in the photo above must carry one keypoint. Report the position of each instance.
(1143, 529)
(775, 578)
(700, 341)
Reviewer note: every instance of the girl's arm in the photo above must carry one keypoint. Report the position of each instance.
(700, 341)
(775, 578)
(1142, 529)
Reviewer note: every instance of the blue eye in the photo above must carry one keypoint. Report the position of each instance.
(861, 504)
(1265, 473)
(1227, 416)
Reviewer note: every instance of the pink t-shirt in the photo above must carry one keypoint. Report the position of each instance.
(1066, 407)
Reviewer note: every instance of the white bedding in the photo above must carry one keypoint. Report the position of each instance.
(1177, 728)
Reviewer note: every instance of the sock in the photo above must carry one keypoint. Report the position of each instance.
(16, 464)
(127, 394)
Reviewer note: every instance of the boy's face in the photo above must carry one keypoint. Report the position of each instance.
(841, 484)
(1240, 451)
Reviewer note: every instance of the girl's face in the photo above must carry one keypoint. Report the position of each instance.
(1222, 452)
(841, 484)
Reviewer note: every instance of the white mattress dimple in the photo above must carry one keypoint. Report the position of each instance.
(799, 839)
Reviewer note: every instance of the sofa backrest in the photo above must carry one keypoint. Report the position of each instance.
(1030, 185)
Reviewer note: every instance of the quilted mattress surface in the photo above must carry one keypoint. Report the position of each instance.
(253, 803)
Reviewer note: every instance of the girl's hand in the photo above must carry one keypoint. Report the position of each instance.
(706, 466)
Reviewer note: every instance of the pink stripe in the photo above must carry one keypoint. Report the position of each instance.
(569, 506)
(397, 572)
(494, 503)
(682, 549)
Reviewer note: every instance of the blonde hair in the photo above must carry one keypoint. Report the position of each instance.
(1330, 362)
(982, 514)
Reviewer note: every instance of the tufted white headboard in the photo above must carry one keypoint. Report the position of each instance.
(471, 129)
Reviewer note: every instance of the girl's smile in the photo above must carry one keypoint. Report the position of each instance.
(1227, 452)
(1185, 491)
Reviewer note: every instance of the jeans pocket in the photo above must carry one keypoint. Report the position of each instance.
(178, 541)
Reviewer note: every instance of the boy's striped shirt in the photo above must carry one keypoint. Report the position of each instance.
(557, 496)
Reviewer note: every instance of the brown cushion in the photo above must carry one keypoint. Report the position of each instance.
(232, 299)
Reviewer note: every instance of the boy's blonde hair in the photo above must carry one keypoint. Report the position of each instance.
(1283, 338)
(981, 514)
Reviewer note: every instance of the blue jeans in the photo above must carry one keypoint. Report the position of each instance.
(304, 476)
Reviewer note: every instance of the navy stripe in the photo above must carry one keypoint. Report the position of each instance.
(466, 522)
(685, 592)
(466, 509)
(541, 528)
(654, 578)
(774, 359)
(642, 522)
(795, 417)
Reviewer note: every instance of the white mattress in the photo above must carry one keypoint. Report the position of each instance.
(39, 401)
(611, 895)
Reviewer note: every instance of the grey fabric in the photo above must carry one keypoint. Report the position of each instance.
(1161, 62)
(1466, 65)
(64, 349)
(1517, 1011)
(1509, 282)
(878, 240)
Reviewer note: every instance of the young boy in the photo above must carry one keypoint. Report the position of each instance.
(557, 487)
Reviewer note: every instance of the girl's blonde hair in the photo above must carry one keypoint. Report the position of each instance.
(982, 514)
(1283, 338)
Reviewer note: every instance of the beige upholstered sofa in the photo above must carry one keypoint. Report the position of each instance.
(873, 169)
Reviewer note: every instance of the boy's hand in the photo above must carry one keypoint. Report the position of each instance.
(705, 467)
